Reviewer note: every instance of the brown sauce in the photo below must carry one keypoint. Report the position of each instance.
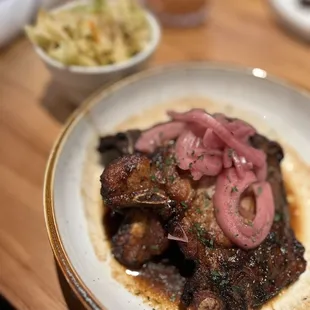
(295, 214)
(160, 281)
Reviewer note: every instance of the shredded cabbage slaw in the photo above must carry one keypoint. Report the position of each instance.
(101, 33)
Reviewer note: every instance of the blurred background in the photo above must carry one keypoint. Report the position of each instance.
(50, 67)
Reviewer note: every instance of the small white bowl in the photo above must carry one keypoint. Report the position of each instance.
(78, 82)
(293, 16)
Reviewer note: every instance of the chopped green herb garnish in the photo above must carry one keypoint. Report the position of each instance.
(184, 205)
(259, 190)
(224, 282)
(153, 178)
(277, 217)
(156, 189)
(200, 233)
(198, 211)
(154, 247)
(169, 161)
(250, 223)
(159, 165)
(236, 288)
(234, 189)
(215, 275)
(198, 227)
(173, 297)
(201, 157)
(283, 250)
(171, 178)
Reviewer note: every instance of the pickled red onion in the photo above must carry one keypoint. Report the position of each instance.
(261, 172)
(182, 239)
(191, 156)
(210, 139)
(228, 191)
(238, 164)
(208, 165)
(243, 133)
(171, 237)
(185, 145)
(257, 157)
(227, 159)
(154, 137)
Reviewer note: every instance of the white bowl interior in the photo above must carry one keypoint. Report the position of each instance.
(283, 109)
(155, 34)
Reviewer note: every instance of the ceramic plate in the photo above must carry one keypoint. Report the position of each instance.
(72, 200)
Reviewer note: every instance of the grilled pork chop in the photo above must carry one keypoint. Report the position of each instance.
(225, 277)
(139, 238)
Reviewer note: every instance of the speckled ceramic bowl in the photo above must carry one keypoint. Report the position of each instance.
(71, 196)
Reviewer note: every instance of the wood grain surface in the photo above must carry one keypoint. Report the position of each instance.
(32, 112)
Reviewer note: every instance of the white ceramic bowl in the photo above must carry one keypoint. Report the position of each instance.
(78, 82)
(293, 16)
(72, 200)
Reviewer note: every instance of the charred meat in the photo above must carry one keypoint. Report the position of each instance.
(140, 237)
(159, 199)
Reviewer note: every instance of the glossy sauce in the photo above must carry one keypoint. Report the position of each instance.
(160, 281)
(295, 215)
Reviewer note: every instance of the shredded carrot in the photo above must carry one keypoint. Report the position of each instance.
(94, 31)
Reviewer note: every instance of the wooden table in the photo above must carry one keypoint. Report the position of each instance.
(31, 116)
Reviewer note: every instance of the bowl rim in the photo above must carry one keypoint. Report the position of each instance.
(155, 32)
(80, 289)
(290, 21)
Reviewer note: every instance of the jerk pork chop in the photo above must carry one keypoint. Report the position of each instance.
(139, 238)
(156, 195)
